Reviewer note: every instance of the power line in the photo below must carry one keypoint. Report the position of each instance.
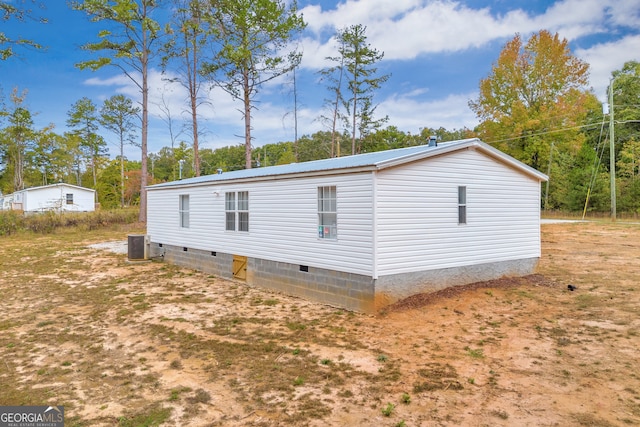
(543, 133)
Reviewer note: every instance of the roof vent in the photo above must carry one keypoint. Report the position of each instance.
(433, 141)
(219, 171)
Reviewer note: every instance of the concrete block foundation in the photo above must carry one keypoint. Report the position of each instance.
(347, 290)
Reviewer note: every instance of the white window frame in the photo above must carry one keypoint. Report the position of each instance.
(236, 209)
(328, 212)
(230, 211)
(462, 204)
(183, 209)
(69, 198)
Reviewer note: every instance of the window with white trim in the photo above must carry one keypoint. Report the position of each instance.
(462, 204)
(327, 213)
(236, 206)
(69, 198)
(184, 210)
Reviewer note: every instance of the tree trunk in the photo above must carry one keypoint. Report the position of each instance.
(121, 170)
(295, 116)
(194, 122)
(353, 131)
(145, 124)
(247, 121)
(355, 104)
(193, 94)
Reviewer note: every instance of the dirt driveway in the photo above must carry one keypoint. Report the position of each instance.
(152, 344)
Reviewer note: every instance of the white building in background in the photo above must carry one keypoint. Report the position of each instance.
(54, 197)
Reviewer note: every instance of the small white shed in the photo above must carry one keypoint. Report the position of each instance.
(361, 231)
(55, 197)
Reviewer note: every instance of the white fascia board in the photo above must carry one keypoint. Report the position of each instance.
(474, 144)
(328, 172)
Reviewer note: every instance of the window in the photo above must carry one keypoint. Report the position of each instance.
(243, 211)
(69, 198)
(462, 205)
(230, 211)
(184, 211)
(327, 213)
(236, 206)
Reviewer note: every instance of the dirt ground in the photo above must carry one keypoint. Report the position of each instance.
(144, 344)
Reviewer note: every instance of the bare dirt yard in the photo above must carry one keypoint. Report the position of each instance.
(146, 344)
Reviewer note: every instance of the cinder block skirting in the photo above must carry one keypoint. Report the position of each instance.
(346, 290)
(398, 286)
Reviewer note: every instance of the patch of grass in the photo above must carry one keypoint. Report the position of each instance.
(268, 302)
(585, 419)
(200, 396)
(12, 222)
(296, 326)
(437, 377)
(388, 410)
(475, 353)
(151, 417)
(44, 323)
(405, 398)
(586, 301)
(503, 415)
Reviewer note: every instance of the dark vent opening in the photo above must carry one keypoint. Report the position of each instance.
(184, 249)
(304, 268)
(159, 245)
(214, 254)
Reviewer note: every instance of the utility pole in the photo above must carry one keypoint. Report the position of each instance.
(612, 152)
(546, 193)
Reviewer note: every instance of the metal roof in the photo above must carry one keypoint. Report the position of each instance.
(59, 184)
(375, 160)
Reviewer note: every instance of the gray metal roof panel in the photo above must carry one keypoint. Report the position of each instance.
(378, 160)
(337, 163)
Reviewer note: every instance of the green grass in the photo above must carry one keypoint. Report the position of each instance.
(151, 417)
(12, 222)
(475, 353)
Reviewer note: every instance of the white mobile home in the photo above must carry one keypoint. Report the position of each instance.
(55, 197)
(359, 231)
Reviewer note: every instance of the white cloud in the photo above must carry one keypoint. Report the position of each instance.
(411, 114)
(405, 29)
(625, 13)
(607, 57)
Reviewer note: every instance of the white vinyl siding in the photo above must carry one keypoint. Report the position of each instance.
(56, 197)
(284, 222)
(418, 219)
(416, 216)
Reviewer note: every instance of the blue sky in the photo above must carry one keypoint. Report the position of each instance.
(435, 50)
